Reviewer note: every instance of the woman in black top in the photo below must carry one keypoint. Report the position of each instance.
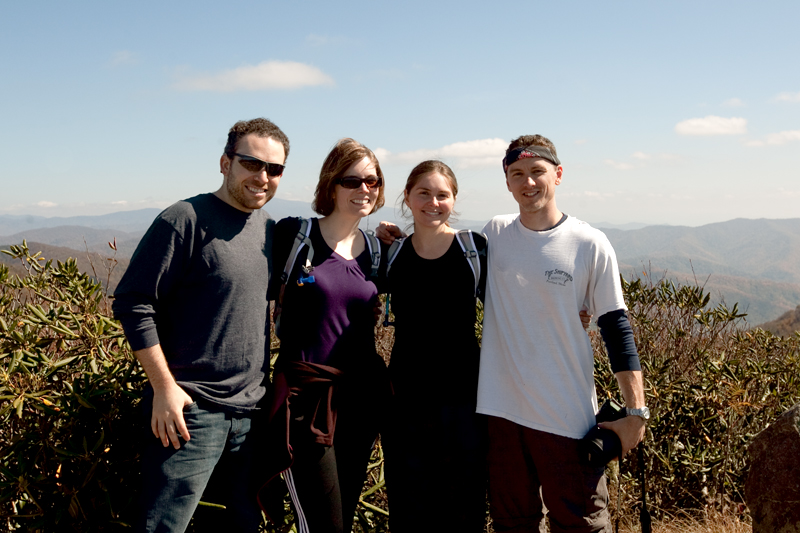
(435, 442)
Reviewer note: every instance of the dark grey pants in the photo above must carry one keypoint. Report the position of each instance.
(532, 473)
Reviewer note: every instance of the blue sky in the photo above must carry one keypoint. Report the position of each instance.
(680, 113)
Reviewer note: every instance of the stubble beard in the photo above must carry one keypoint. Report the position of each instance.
(241, 196)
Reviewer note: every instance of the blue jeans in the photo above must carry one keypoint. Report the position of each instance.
(174, 480)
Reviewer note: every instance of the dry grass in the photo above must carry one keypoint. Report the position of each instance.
(711, 523)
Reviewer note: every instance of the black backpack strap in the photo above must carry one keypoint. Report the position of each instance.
(467, 243)
(302, 239)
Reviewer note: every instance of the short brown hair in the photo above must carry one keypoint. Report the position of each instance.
(426, 167)
(532, 140)
(260, 126)
(344, 154)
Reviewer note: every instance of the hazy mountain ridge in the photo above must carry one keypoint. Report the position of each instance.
(128, 221)
(785, 325)
(100, 266)
(762, 248)
(81, 238)
(755, 263)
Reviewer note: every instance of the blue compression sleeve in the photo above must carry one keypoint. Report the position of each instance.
(618, 337)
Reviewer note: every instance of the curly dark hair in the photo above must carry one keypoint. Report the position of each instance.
(260, 126)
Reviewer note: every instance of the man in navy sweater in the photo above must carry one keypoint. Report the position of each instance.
(193, 304)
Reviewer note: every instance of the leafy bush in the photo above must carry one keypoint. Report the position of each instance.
(711, 386)
(70, 388)
(68, 393)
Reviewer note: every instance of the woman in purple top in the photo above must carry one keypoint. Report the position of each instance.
(327, 353)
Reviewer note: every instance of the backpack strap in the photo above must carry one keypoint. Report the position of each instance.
(391, 255)
(374, 248)
(302, 239)
(467, 243)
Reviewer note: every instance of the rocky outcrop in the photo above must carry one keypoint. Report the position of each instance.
(772, 489)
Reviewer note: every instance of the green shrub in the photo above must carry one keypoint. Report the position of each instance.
(69, 388)
(711, 386)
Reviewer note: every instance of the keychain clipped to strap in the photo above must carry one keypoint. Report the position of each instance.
(306, 270)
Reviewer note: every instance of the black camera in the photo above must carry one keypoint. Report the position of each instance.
(599, 446)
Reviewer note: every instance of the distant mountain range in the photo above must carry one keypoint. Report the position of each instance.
(753, 262)
(100, 266)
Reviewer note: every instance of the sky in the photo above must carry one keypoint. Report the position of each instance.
(683, 113)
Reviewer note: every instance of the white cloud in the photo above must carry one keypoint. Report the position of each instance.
(45, 203)
(120, 202)
(779, 138)
(268, 75)
(788, 97)
(617, 164)
(123, 57)
(641, 155)
(466, 154)
(733, 102)
(712, 125)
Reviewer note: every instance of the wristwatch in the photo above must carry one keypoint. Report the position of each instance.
(642, 412)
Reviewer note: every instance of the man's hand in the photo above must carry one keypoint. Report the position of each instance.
(167, 418)
(586, 318)
(169, 398)
(630, 431)
(388, 232)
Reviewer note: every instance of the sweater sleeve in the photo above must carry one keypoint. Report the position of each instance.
(618, 338)
(155, 266)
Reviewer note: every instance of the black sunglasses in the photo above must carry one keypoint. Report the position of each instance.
(353, 182)
(252, 164)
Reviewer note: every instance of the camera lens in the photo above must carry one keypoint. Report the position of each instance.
(599, 446)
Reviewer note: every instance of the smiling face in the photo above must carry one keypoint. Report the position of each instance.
(533, 183)
(431, 200)
(361, 201)
(246, 190)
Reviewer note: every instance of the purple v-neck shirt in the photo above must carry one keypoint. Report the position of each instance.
(328, 321)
